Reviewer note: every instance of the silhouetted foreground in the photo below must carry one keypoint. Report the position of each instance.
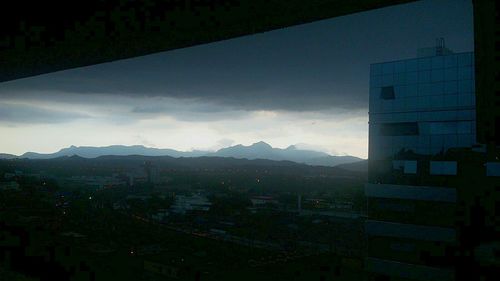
(162, 218)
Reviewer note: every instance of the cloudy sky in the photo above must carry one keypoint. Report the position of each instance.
(304, 85)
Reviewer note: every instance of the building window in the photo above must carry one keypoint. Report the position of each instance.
(398, 164)
(410, 167)
(387, 93)
(493, 169)
(407, 166)
(443, 168)
(399, 129)
(446, 128)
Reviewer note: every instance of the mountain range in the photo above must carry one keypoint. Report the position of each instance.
(259, 150)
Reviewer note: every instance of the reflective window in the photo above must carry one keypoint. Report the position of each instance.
(450, 100)
(450, 74)
(424, 76)
(437, 62)
(440, 128)
(450, 87)
(388, 68)
(465, 100)
(436, 102)
(399, 129)
(464, 127)
(399, 66)
(450, 61)
(412, 91)
(387, 93)
(465, 86)
(387, 80)
(398, 164)
(412, 65)
(424, 63)
(493, 169)
(437, 75)
(465, 73)
(412, 77)
(400, 78)
(445, 128)
(443, 167)
(410, 167)
(400, 91)
(465, 59)
(437, 88)
(424, 89)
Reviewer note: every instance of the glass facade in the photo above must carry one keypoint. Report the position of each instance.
(424, 105)
(421, 112)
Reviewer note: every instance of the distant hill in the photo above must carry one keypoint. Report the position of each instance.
(259, 150)
(360, 166)
(262, 150)
(7, 156)
(119, 150)
(107, 165)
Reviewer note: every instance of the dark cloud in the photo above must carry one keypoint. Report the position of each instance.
(27, 114)
(318, 66)
(184, 111)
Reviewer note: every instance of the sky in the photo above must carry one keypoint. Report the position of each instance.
(305, 85)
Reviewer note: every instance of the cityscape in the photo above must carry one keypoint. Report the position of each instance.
(124, 171)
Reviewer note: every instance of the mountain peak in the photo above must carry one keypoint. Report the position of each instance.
(258, 150)
(261, 144)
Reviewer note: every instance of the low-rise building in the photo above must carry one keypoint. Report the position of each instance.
(184, 204)
(9, 185)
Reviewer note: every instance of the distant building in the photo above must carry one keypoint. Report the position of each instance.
(96, 182)
(260, 201)
(9, 185)
(184, 204)
(160, 215)
(139, 197)
(317, 203)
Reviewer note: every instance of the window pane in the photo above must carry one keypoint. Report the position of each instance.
(450, 87)
(424, 76)
(388, 68)
(387, 93)
(465, 59)
(410, 167)
(437, 75)
(465, 73)
(443, 167)
(450, 61)
(464, 127)
(387, 80)
(450, 74)
(424, 63)
(399, 129)
(412, 65)
(440, 128)
(399, 66)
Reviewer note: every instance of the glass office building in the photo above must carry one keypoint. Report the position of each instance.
(421, 126)
(426, 105)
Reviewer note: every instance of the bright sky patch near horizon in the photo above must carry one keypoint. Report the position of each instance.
(306, 85)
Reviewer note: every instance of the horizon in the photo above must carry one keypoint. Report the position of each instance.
(303, 147)
(303, 84)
